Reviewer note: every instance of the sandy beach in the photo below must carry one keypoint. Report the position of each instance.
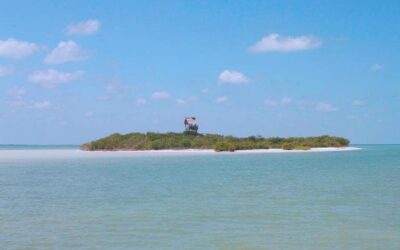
(76, 153)
(208, 151)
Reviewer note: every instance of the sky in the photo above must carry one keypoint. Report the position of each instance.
(75, 71)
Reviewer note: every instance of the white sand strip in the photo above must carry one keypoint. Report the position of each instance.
(75, 153)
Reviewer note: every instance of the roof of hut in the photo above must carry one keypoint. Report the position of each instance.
(190, 120)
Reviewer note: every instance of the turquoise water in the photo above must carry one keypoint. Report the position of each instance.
(338, 200)
(36, 147)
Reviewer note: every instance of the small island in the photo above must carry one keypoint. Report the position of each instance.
(191, 139)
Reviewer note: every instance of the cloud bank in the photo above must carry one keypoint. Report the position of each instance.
(273, 102)
(68, 51)
(232, 76)
(184, 101)
(41, 105)
(84, 28)
(14, 49)
(160, 95)
(52, 78)
(275, 43)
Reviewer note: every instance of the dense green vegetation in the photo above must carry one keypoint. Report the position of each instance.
(157, 141)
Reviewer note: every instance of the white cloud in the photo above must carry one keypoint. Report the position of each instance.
(12, 48)
(89, 114)
(140, 102)
(232, 76)
(204, 91)
(41, 105)
(325, 107)
(84, 28)
(68, 51)
(160, 95)
(274, 42)
(52, 78)
(376, 67)
(186, 101)
(273, 102)
(221, 99)
(358, 102)
(5, 70)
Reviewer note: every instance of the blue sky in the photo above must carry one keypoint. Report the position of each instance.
(74, 71)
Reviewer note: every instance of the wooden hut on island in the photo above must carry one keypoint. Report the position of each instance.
(191, 125)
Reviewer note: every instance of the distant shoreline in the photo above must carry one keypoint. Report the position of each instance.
(57, 153)
(259, 151)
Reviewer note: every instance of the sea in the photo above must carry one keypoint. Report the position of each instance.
(55, 197)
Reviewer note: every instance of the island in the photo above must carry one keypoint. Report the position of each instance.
(159, 141)
(191, 139)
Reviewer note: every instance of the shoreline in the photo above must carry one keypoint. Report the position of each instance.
(246, 151)
(78, 153)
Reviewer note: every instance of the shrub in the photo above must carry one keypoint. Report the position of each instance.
(301, 148)
(224, 146)
(287, 146)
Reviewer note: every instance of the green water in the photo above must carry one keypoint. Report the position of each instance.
(338, 200)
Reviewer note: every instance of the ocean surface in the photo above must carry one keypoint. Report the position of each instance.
(324, 200)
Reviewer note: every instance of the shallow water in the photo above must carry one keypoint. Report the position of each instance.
(329, 200)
